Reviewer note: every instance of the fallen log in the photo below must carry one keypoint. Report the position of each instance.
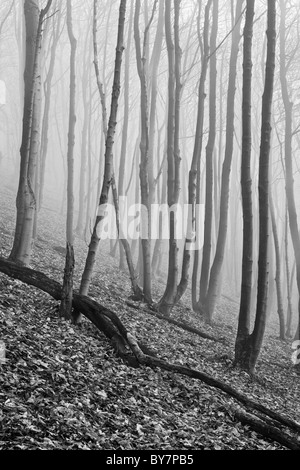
(130, 350)
(213, 382)
(104, 319)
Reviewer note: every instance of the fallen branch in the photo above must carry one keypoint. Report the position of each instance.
(209, 380)
(132, 352)
(104, 319)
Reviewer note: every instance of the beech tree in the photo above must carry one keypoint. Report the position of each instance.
(26, 200)
(194, 169)
(288, 110)
(205, 266)
(246, 186)
(56, 34)
(216, 268)
(67, 292)
(173, 151)
(248, 354)
(141, 60)
(108, 171)
(172, 136)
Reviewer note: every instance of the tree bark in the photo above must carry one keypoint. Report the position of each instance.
(205, 267)
(66, 303)
(278, 271)
(195, 165)
(243, 332)
(288, 331)
(173, 152)
(47, 106)
(123, 152)
(263, 191)
(141, 60)
(108, 169)
(26, 201)
(288, 108)
(216, 269)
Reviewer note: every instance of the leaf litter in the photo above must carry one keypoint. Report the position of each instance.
(63, 387)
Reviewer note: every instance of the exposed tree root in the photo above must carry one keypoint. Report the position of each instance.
(135, 354)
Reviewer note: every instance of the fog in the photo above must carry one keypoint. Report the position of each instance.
(89, 147)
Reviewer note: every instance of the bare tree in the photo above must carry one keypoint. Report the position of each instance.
(141, 60)
(26, 200)
(241, 345)
(194, 169)
(288, 109)
(216, 269)
(248, 346)
(67, 291)
(205, 267)
(108, 170)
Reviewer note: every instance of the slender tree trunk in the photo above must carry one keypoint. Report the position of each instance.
(88, 213)
(86, 77)
(263, 190)
(288, 108)
(243, 333)
(108, 169)
(192, 185)
(141, 60)
(47, 105)
(209, 158)
(31, 13)
(67, 291)
(122, 237)
(153, 69)
(288, 331)
(162, 199)
(216, 269)
(123, 158)
(278, 270)
(173, 151)
(26, 200)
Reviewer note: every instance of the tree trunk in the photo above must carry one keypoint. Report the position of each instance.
(288, 108)
(26, 201)
(216, 269)
(209, 158)
(191, 242)
(243, 333)
(288, 331)
(153, 69)
(173, 151)
(278, 271)
(263, 191)
(86, 79)
(123, 158)
(66, 303)
(141, 60)
(47, 105)
(108, 169)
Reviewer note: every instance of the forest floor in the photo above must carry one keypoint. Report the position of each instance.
(63, 387)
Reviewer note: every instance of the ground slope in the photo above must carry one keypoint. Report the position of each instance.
(62, 387)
